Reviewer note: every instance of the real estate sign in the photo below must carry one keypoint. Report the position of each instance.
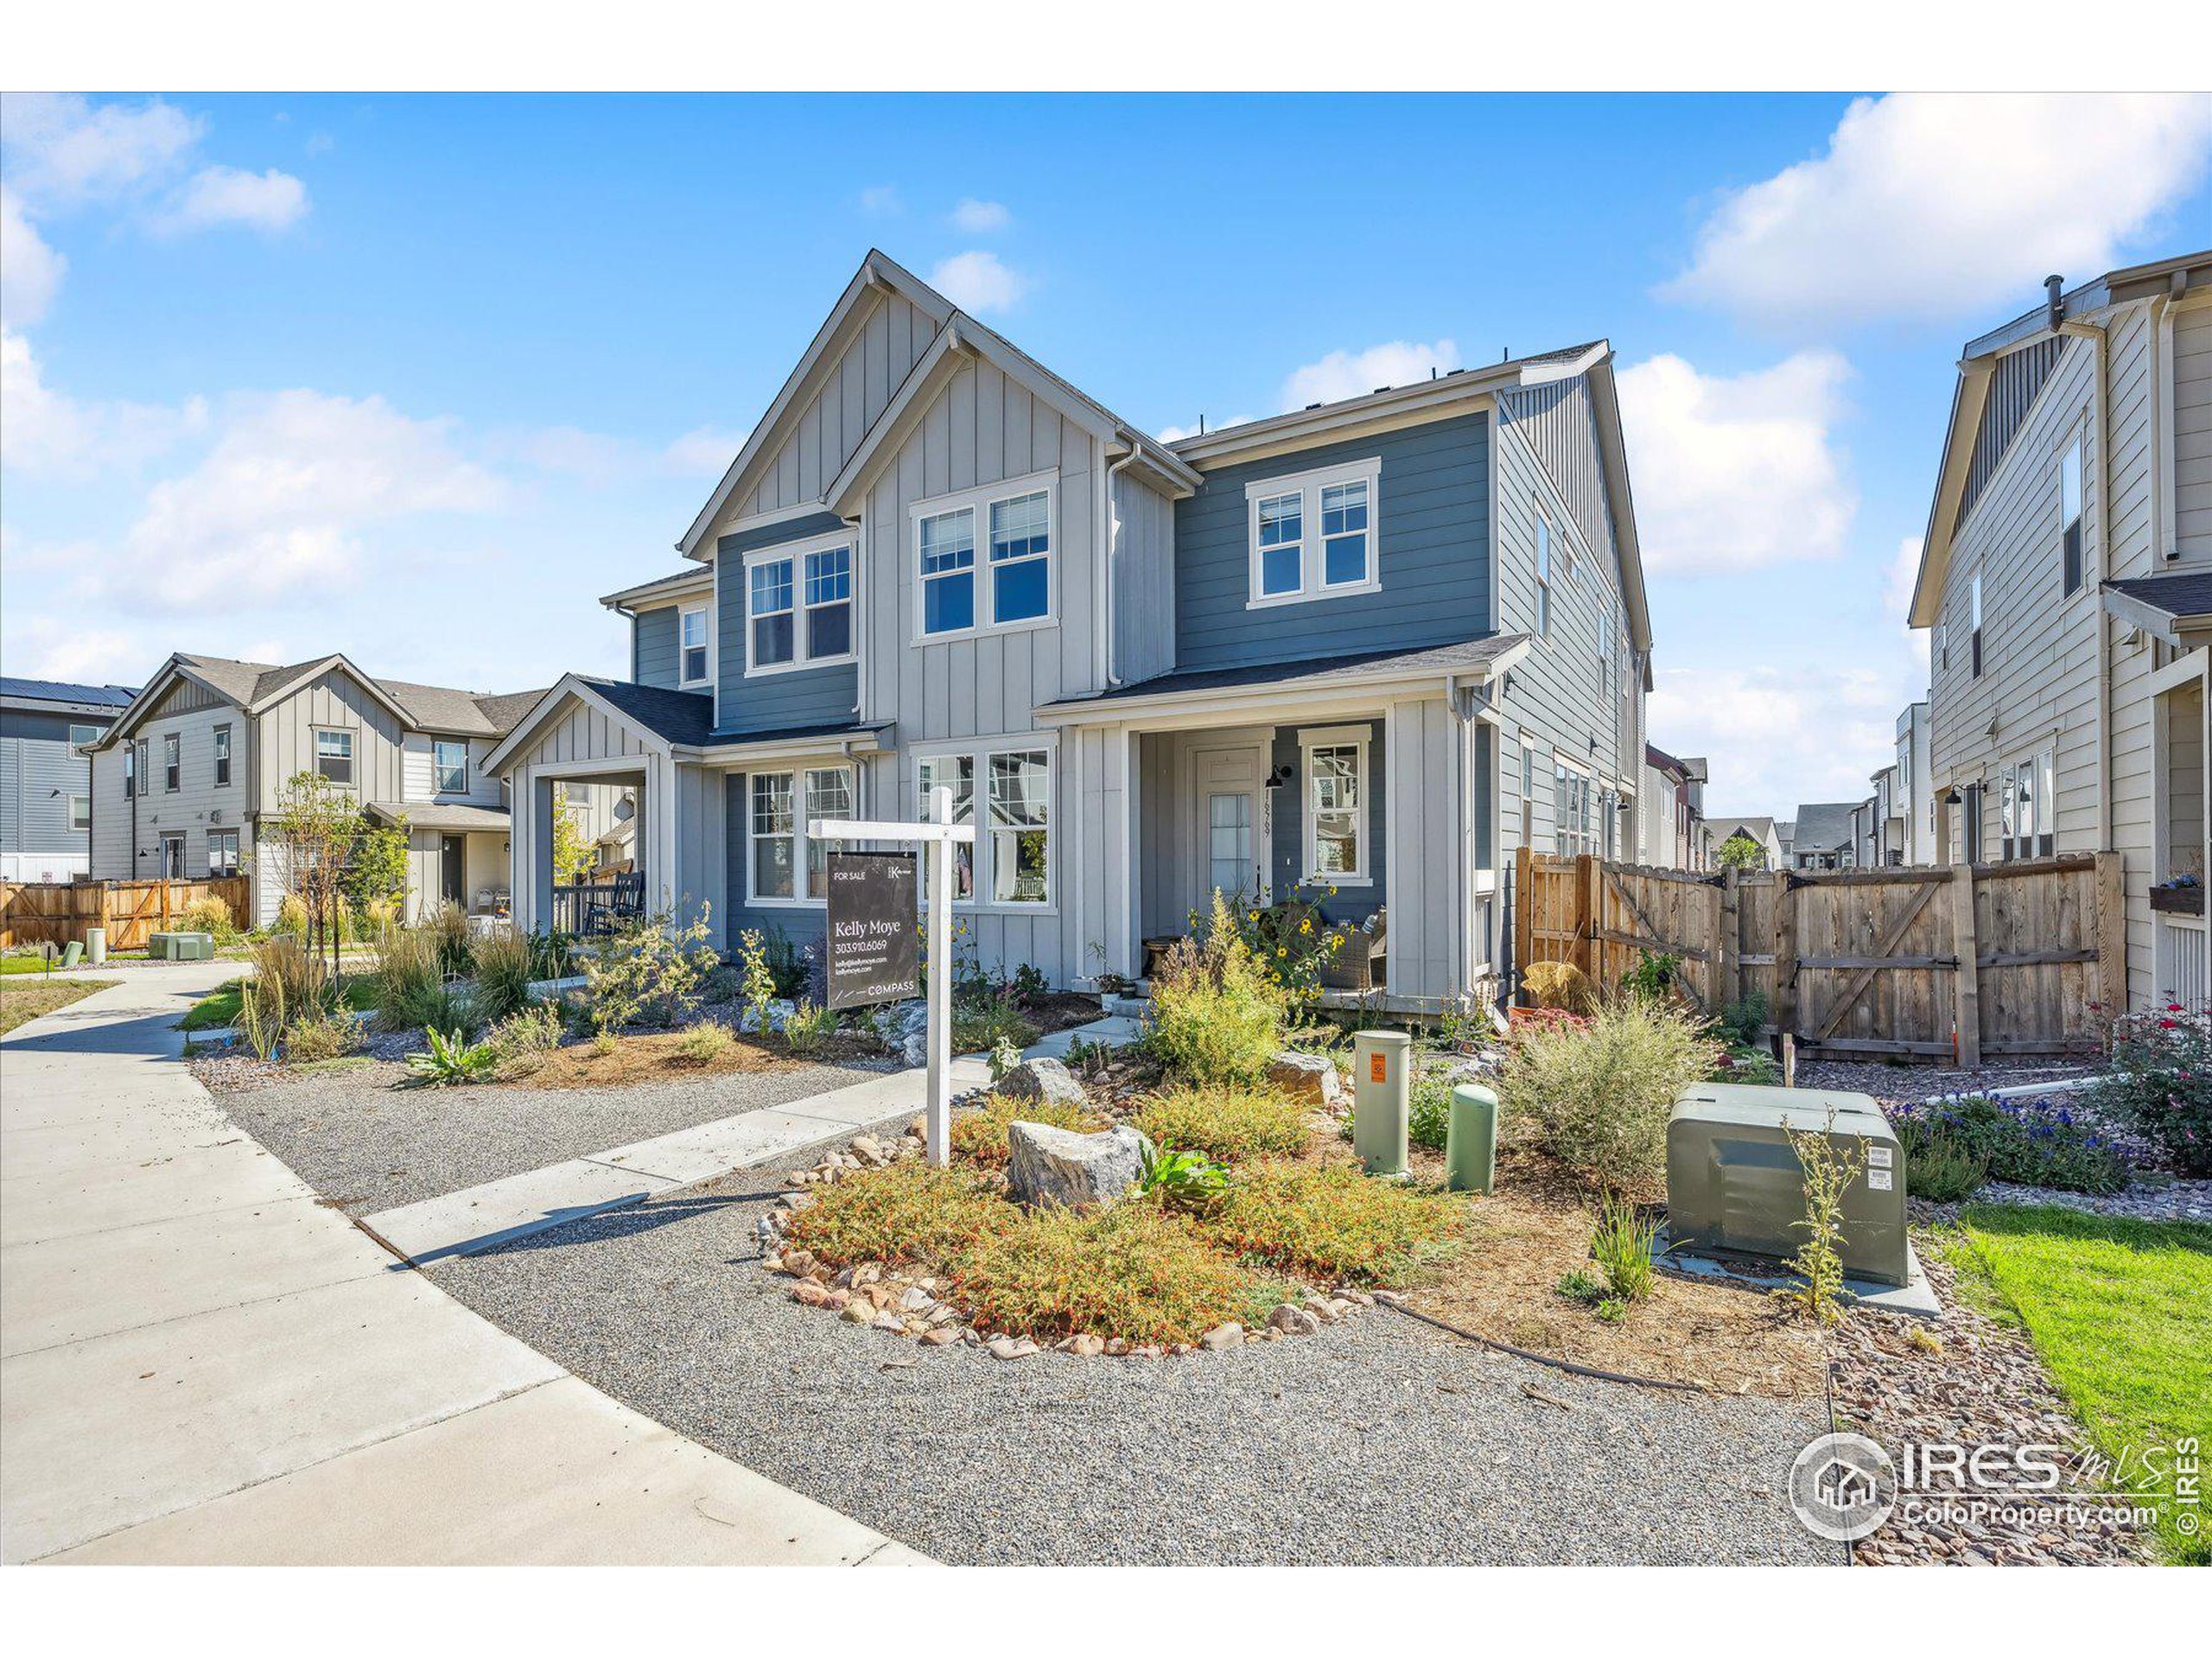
(874, 901)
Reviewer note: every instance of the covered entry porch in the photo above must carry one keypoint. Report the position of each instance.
(457, 855)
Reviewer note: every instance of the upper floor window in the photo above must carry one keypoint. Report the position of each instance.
(1016, 517)
(1573, 810)
(1336, 804)
(800, 607)
(1974, 615)
(334, 754)
(137, 778)
(1312, 535)
(1543, 576)
(450, 767)
(576, 793)
(691, 645)
(172, 763)
(80, 734)
(222, 756)
(2069, 513)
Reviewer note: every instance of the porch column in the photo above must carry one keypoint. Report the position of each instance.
(1425, 878)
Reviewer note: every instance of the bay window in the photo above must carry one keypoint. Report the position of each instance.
(1312, 535)
(1016, 518)
(786, 865)
(1336, 827)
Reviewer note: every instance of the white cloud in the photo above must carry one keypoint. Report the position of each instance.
(61, 148)
(45, 432)
(597, 460)
(978, 281)
(980, 217)
(276, 510)
(55, 648)
(1938, 206)
(1737, 471)
(881, 200)
(1176, 434)
(30, 271)
(1775, 736)
(704, 452)
(228, 195)
(1354, 374)
(1897, 602)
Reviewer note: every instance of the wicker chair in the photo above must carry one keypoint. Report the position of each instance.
(1362, 961)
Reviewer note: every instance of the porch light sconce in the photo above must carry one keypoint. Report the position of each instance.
(1281, 775)
(1955, 798)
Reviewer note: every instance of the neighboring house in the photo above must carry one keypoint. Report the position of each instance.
(1773, 855)
(46, 801)
(185, 783)
(1671, 819)
(1826, 835)
(1913, 803)
(1785, 837)
(1373, 645)
(2066, 575)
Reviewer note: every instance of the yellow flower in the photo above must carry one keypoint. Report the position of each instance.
(1306, 925)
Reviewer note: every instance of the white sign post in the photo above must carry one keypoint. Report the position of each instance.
(938, 836)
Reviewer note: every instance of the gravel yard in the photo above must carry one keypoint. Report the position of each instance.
(366, 1144)
(1378, 1440)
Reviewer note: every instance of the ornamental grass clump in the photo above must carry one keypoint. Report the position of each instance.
(504, 973)
(979, 1137)
(1599, 1090)
(1130, 1270)
(1232, 1124)
(1217, 1012)
(905, 1212)
(1332, 1222)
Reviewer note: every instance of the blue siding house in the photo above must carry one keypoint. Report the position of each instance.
(46, 782)
(1357, 652)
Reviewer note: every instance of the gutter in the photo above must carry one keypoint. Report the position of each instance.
(1105, 565)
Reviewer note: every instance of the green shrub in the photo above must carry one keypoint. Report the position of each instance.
(1742, 1022)
(650, 973)
(708, 1043)
(1621, 1244)
(209, 915)
(1179, 1177)
(2028, 1143)
(1940, 1165)
(1128, 1270)
(980, 1024)
(321, 1034)
(904, 1212)
(1230, 1123)
(1598, 1091)
(1428, 1111)
(2160, 1084)
(1217, 1013)
(504, 973)
(1332, 1222)
(786, 966)
(523, 1038)
(1655, 974)
(979, 1137)
(452, 1058)
(808, 1029)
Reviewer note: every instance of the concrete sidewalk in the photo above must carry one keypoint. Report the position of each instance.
(201, 1363)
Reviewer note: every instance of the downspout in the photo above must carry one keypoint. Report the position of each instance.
(1113, 521)
(2100, 341)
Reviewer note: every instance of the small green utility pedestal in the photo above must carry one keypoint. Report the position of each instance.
(1471, 1140)
(1380, 1085)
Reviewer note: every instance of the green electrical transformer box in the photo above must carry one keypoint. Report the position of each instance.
(1734, 1182)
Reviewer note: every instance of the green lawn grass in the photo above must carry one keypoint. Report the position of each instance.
(2121, 1312)
(27, 964)
(220, 1008)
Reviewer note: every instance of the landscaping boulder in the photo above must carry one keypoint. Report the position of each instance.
(1231, 1335)
(1311, 1077)
(1042, 1079)
(1293, 1320)
(778, 1013)
(1045, 1166)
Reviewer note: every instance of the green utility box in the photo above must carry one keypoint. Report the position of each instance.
(1733, 1183)
(182, 947)
(1471, 1139)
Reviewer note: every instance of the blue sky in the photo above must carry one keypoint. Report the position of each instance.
(418, 378)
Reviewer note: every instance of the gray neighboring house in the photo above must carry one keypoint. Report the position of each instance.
(1912, 802)
(1827, 834)
(2066, 575)
(183, 783)
(1773, 850)
(1375, 644)
(46, 800)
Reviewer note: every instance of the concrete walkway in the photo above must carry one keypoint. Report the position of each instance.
(201, 1363)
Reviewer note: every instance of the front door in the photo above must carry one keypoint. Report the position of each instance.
(452, 879)
(172, 858)
(1230, 827)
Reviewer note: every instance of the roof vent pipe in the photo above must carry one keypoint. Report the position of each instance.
(2054, 287)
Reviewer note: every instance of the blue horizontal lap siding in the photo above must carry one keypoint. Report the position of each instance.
(652, 648)
(1433, 531)
(1352, 905)
(767, 703)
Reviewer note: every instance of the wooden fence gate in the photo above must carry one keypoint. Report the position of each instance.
(54, 912)
(1923, 962)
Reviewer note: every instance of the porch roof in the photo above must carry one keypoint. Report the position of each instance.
(727, 744)
(1481, 658)
(455, 815)
(2159, 603)
(681, 717)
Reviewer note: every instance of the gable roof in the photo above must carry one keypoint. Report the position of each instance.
(1824, 826)
(254, 687)
(1979, 364)
(1759, 828)
(667, 719)
(635, 596)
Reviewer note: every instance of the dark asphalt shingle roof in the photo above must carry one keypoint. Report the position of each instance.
(2185, 593)
(429, 708)
(1823, 826)
(1440, 660)
(679, 717)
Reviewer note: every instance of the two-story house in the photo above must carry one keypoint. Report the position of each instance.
(46, 801)
(1670, 812)
(1369, 646)
(1913, 799)
(185, 782)
(2066, 576)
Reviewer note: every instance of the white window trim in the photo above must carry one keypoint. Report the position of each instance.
(72, 804)
(795, 553)
(172, 744)
(1544, 562)
(796, 771)
(1310, 738)
(979, 500)
(223, 736)
(704, 611)
(1568, 763)
(1311, 553)
(980, 750)
(2074, 442)
(353, 753)
(438, 786)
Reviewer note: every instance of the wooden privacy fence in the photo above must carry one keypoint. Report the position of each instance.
(1925, 962)
(52, 912)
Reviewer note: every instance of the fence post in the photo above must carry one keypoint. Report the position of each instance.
(1589, 902)
(1967, 1013)
(1728, 947)
(1524, 919)
(1785, 1012)
(2112, 931)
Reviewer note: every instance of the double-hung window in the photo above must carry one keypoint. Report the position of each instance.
(1543, 576)
(222, 852)
(334, 754)
(172, 763)
(1312, 535)
(450, 767)
(787, 865)
(800, 606)
(1011, 586)
(80, 811)
(691, 645)
(1573, 812)
(957, 773)
(2069, 513)
(222, 756)
(1973, 616)
(1010, 864)
(1336, 804)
